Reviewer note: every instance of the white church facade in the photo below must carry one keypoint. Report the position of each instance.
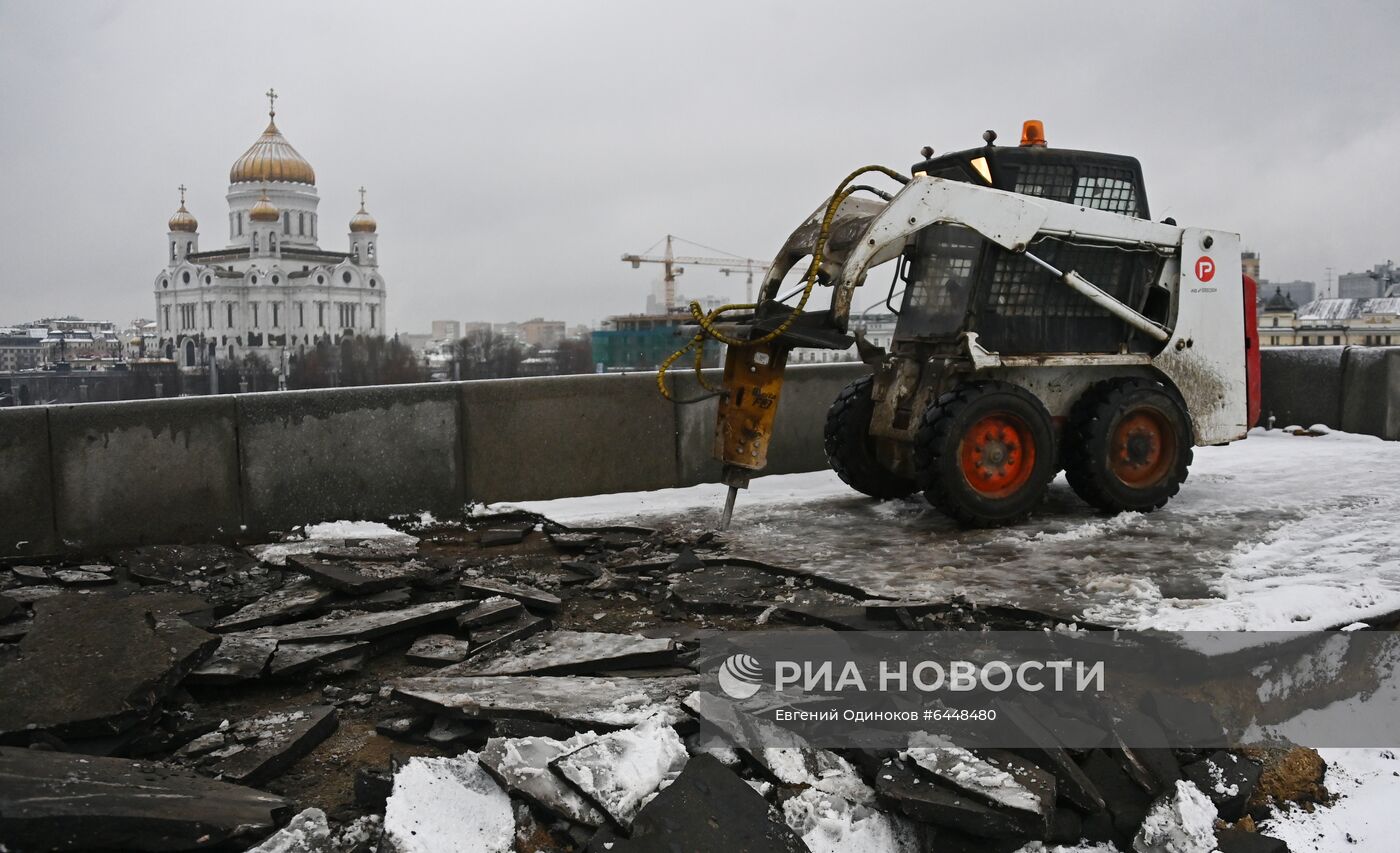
(272, 290)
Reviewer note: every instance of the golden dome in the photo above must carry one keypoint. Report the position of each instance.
(183, 220)
(264, 210)
(362, 222)
(271, 158)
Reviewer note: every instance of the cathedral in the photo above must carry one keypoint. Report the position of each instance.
(272, 290)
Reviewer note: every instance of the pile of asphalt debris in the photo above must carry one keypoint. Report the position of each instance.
(513, 684)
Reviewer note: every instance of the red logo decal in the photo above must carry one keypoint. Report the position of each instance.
(1205, 268)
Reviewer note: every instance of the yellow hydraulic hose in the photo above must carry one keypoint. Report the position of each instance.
(707, 321)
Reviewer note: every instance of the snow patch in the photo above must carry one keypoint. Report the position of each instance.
(621, 771)
(331, 534)
(829, 823)
(1182, 822)
(306, 832)
(448, 805)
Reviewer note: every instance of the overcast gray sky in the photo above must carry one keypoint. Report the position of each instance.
(513, 151)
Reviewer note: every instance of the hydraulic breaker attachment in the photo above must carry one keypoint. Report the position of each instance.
(753, 379)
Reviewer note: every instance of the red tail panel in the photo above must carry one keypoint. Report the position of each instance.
(1251, 351)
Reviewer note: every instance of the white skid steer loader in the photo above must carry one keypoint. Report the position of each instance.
(1046, 323)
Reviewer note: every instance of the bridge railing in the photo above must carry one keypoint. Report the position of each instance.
(85, 477)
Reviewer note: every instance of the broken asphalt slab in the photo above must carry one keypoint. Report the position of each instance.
(916, 796)
(294, 659)
(522, 766)
(498, 635)
(495, 609)
(236, 659)
(74, 681)
(617, 772)
(706, 807)
(59, 801)
(999, 779)
(568, 653)
(343, 625)
(292, 601)
(535, 599)
(580, 700)
(260, 749)
(362, 578)
(438, 650)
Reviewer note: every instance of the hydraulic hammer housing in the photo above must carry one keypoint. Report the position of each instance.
(753, 381)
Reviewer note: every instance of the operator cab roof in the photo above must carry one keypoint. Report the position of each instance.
(1111, 182)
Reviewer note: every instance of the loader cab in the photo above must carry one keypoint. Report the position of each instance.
(955, 281)
(1111, 182)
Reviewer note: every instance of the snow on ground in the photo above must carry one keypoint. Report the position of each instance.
(1278, 532)
(1364, 817)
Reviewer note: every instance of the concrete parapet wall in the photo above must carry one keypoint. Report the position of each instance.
(1356, 389)
(1302, 385)
(76, 478)
(349, 453)
(562, 436)
(1370, 399)
(26, 484)
(145, 472)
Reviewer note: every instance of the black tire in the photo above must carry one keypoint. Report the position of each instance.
(1127, 446)
(850, 450)
(985, 452)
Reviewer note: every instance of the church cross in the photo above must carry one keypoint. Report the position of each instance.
(182, 195)
(271, 102)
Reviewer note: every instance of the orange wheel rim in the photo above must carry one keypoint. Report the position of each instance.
(1143, 449)
(997, 455)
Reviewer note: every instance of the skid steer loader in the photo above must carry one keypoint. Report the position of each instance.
(1044, 322)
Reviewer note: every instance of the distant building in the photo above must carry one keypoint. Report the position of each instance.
(1301, 292)
(447, 330)
(1349, 322)
(71, 340)
(1330, 322)
(1378, 281)
(469, 329)
(643, 341)
(1249, 263)
(19, 349)
(507, 330)
(272, 290)
(1276, 317)
(416, 342)
(543, 333)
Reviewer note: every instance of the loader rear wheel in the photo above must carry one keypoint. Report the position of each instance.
(850, 450)
(984, 453)
(1128, 445)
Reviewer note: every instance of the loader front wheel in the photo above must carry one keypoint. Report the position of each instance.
(1127, 445)
(985, 453)
(850, 450)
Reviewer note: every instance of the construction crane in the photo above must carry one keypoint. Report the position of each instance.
(731, 265)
